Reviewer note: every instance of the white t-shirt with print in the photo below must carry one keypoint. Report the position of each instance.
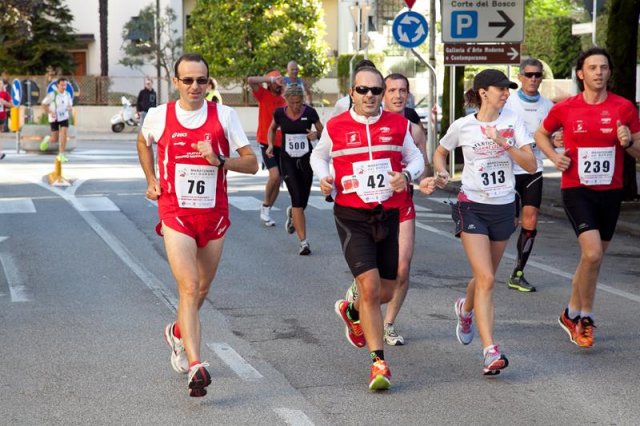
(532, 113)
(479, 152)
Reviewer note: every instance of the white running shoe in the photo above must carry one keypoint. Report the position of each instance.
(288, 224)
(464, 325)
(494, 361)
(179, 361)
(391, 336)
(305, 249)
(352, 292)
(265, 216)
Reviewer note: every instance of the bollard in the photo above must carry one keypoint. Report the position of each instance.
(55, 177)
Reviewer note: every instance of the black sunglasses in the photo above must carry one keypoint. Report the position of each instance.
(532, 74)
(363, 90)
(189, 80)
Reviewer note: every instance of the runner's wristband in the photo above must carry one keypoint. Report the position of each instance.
(629, 145)
(407, 176)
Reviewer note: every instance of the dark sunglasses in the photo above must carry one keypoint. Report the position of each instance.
(363, 90)
(532, 74)
(189, 80)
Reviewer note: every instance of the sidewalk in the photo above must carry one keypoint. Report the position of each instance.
(628, 222)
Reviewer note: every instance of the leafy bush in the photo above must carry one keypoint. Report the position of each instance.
(550, 40)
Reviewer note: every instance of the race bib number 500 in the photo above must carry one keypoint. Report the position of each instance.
(196, 186)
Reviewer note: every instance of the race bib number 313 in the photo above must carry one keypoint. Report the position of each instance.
(196, 186)
(595, 165)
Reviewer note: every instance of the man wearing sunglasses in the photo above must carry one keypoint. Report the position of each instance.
(368, 148)
(194, 139)
(269, 100)
(532, 108)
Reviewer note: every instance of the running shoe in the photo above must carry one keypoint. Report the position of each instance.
(464, 326)
(305, 249)
(391, 336)
(494, 361)
(199, 379)
(62, 158)
(44, 145)
(352, 329)
(584, 332)
(179, 361)
(352, 291)
(520, 283)
(380, 376)
(569, 325)
(288, 224)
(265, 216)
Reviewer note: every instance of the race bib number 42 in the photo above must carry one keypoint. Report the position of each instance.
(196, 186)
(595, 165)
(373, 180)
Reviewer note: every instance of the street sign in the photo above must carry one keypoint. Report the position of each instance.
(410, 29)
(16, 93)
(31, 92)
(481, 54)
(478, 21)
(410, 3)
(584, 28)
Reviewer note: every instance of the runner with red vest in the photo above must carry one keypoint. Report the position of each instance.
(194, 139)
(368, 148)
(598, 127)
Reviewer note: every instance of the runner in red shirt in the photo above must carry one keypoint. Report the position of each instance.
(5, 104)
(598, 126)
(194, 138)
(269, 100)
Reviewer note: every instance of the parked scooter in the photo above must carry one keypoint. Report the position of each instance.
(126, 117)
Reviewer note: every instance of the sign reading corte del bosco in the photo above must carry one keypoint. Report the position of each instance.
(482, 21)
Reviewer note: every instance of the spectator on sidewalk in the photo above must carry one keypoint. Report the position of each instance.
(212, 92)
(147, 98)
(292, 78)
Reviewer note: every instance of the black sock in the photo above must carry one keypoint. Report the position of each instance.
(352, 313)
(525, 244)
(377, 355)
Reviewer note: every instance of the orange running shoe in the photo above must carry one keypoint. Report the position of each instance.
(380, 377)
(353, 329)
(584, 332)
(569, 325)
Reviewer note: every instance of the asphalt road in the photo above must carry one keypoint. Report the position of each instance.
(85, 292)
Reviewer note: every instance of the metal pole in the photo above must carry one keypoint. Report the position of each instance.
(432, 126)
(158, 51)
(452, 115)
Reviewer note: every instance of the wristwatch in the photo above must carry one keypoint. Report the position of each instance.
(629, 145)
(222, 159)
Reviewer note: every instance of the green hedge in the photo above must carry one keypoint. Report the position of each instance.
(550, 39)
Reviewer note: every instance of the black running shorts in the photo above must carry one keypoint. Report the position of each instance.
(588, 209)
(298, 176)
(497, 221)
(369, 239)
(528, 190)
(270, 162)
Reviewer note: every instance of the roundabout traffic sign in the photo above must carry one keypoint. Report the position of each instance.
(410, 29)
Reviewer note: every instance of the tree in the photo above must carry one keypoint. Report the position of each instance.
(36, 35)
(248, 38)
(142, 46)
(103, 11)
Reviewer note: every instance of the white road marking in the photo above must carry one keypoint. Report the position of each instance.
(421, 208)
(18, 291)
(94, 204)
(242, 368)
(433, 215)
(293, 417)
(546, 268)
(245, 203)
(16, 205)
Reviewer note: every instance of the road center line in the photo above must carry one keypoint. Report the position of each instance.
(545, 268)
(238, 364)
(293, 417)
(18, 291)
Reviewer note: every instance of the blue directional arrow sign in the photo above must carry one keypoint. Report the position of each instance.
(52, 86)
(410, 29)
(16, 93)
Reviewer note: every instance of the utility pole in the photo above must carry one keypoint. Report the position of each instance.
(158, 51)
